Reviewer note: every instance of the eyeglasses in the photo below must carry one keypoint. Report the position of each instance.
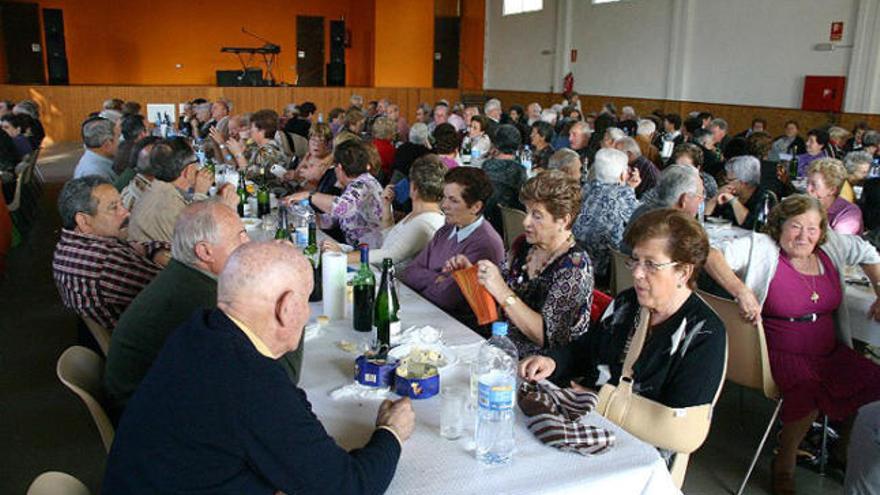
(648, 265)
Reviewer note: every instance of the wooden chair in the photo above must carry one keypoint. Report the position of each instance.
(512, 223)
(57, 483)
(101, 334)
(749, 362)
(300, 145)
(621, 276)
(81, 370)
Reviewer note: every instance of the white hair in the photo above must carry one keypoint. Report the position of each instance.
(549, 116)
(196, 223)
(418, 133)
(676, 180)
(111, 115)
(492, 104)
(745, 168)
(628, 111)
(609, 165)
(614, 133)
(628, 145)
(646, 127)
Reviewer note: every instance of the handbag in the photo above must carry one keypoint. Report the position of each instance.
(678, 429)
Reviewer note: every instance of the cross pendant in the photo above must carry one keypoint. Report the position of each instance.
(814, 297)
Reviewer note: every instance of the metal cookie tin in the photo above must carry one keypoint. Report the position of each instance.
(374, 372)
(417, 380)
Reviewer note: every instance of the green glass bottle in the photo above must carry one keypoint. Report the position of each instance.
(385, 317)
(263, 206)
(364, 285)
(242, 194)
(793, 167)
(282, 232)
(313, 253)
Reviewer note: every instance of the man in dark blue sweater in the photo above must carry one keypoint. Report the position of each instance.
(217, 414)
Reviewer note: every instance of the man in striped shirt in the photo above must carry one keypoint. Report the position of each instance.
(98, 272)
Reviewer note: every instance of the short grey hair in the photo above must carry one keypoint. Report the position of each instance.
(856, 158)
(549, 116)
(203, 107)
(871, 138)
(27, 107)
(609, 165)
(676, 180)
(76, 197)
(418, 133)
(745, 168)
(356, 100)
(719, 123)
(196, 223)
(628, 145)
(492, 104)
(112, 115)
(563, 159)
(97, 131)
(704, 138)
(614, 134)
(646, 127)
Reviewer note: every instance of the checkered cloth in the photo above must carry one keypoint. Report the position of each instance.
(554, 417)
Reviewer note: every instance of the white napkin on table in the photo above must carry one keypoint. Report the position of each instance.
(357, 391)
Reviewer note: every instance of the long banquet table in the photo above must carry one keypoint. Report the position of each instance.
(431, 464)
(858, 298)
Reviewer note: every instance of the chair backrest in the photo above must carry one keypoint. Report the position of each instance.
(57, 483)
(621, 276)
(101, 334)
(300, 145)
(512, 223)
(749, 362)
(283, 143)
(81, 369)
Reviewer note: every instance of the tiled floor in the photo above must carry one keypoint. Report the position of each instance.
(45, 427)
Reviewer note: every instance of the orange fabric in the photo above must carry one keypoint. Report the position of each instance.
(479, 299)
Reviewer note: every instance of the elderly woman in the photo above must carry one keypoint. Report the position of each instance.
(608, 203)
(506, 173)
(477, 139)
(742, 198)
(567, 161)
(266, 152)
(546, 286)
(858, 164)
(358, 210)
(797, 273)
(17, 126)
(816, 147)
(417, 146)
(682, 360)
(789, 144)
(405, 239)
(824, 179)
(315, 172)
(467, 233)
(384, 130)
(541, 136)
(693, 155)
(446, 143)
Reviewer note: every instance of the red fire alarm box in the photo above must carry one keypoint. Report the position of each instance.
(823, 93)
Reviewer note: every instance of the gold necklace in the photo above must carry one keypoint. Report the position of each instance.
(551, 256)
(814, 296)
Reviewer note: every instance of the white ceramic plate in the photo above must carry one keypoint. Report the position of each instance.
(403, 351)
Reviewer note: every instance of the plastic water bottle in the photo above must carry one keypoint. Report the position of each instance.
(301, 214)
(526, 159)
(495, 377)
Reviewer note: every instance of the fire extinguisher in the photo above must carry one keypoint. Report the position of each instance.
(567, 84)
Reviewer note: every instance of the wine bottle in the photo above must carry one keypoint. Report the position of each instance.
(763, 215)
(385, 317)
(364, 285)
(263, 206)
(313, 253)
(242, 194)
(282, 232)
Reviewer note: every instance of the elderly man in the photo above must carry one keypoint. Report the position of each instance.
(101, 139)
(718, 128)
(356, 101)
(216, 414)
(579, 140)
(440, 116)
(492, 110)
(176, 171)
(534, 112)
(392, 111)
(648, 172)
(133, 128)
(144, 177)
(608, 203)
(567, 161)
(97, 272)
(205, 235)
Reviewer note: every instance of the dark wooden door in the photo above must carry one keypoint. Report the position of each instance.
(309, 50)
(20, 23)
(56, 55)
(446, 48)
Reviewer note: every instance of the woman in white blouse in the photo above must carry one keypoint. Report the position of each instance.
(405, 239)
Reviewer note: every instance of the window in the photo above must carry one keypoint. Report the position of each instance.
(512, 7)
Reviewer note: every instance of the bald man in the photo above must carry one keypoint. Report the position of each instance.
(216, 414)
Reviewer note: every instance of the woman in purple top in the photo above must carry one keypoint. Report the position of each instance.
(825, 177)
(814, 370)
(817, 144)
(466, 233)
(358, 210)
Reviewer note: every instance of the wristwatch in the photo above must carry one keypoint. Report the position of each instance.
(509, 301)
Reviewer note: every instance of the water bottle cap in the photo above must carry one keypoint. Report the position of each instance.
(499, 329)
(304, 202)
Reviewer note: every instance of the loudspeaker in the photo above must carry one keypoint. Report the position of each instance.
(56, 56)
(253, 77)
(337, 41)
(336, 74)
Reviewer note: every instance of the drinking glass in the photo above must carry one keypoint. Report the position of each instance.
(452, 412)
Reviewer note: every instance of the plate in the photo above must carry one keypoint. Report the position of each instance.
(447, 357)
(251, 223)
(718, 222)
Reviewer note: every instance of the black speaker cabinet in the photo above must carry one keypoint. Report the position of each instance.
(337, 41)
(336, 74)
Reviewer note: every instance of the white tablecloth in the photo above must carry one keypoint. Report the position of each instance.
(431, 464)
(858, 298)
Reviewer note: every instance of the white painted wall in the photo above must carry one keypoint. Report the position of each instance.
(513, 47)
(750, 52)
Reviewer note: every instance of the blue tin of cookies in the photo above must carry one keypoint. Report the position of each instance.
(374, 372)
(416, 380)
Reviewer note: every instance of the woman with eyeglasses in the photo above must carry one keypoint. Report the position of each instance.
(682, 361)
(741, 199)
